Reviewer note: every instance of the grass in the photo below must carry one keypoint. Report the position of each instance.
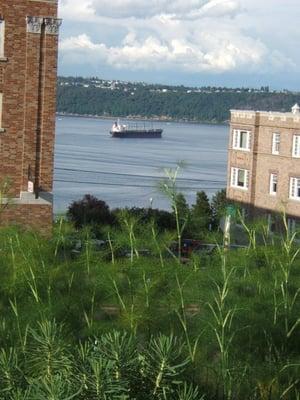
(97, 324)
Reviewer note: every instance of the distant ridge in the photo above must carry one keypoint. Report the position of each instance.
(104, 98)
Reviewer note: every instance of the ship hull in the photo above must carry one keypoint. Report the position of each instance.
(142, 134)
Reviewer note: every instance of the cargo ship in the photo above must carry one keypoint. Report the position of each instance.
(119, 130)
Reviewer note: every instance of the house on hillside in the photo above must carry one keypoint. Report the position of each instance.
(264, 163)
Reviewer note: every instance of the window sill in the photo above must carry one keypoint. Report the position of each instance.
(241, 149)
(295, 199)
(240, 188)
(3, 59)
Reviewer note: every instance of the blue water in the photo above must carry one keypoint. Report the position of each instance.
(128, 172)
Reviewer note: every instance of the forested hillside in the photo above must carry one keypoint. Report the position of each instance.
(123, 99)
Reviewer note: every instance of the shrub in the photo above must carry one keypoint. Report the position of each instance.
(164, 220)
(89, 211)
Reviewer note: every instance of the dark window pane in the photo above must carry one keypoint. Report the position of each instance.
(241, 178)
(243, 140)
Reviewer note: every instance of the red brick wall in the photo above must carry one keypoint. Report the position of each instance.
(261, 162)
(28, 84)
(37, 217)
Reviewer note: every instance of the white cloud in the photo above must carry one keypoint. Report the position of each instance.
(218, 54)
(217, 8)
(76, 9)
(178, 9)
(196, 36)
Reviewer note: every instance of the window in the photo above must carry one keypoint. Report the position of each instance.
(2, 23)
(275, 143)
(273, 184)
(295, 188)
(240, 178)
(296, 146)
(241, 140)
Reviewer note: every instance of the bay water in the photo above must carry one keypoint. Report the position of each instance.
(128, 172)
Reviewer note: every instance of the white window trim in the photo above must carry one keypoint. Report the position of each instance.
(236, 137)
(234, 178)
(296, 146)
(271, 191)
(274, 142)
(293, 188)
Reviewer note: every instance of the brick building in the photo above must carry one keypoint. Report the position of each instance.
(28, 67)
(264, 162)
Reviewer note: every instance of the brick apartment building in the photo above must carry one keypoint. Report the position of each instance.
(264, 162)
(28, 67)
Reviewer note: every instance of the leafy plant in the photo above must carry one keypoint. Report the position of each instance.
(164, 362)
(89, 211)
(47, 352)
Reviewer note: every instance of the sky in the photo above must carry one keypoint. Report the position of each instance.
(233, 43)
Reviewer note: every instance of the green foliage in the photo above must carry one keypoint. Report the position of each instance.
(182, 208)
(47, 353)
(189, 393)
(179, 103)
(163, 364)
(5, 186)
(164, 220)
(85, 326)
(189, 222)
(55, 389)
(89, 211)
(201, 216)
(9, 370)
(218, 206)
(120, 349)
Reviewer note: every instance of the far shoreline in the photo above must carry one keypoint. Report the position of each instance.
(140, 118)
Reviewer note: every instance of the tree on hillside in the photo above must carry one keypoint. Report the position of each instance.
(218, 205)
(211, 104)
(201, 215)
(182, 208)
